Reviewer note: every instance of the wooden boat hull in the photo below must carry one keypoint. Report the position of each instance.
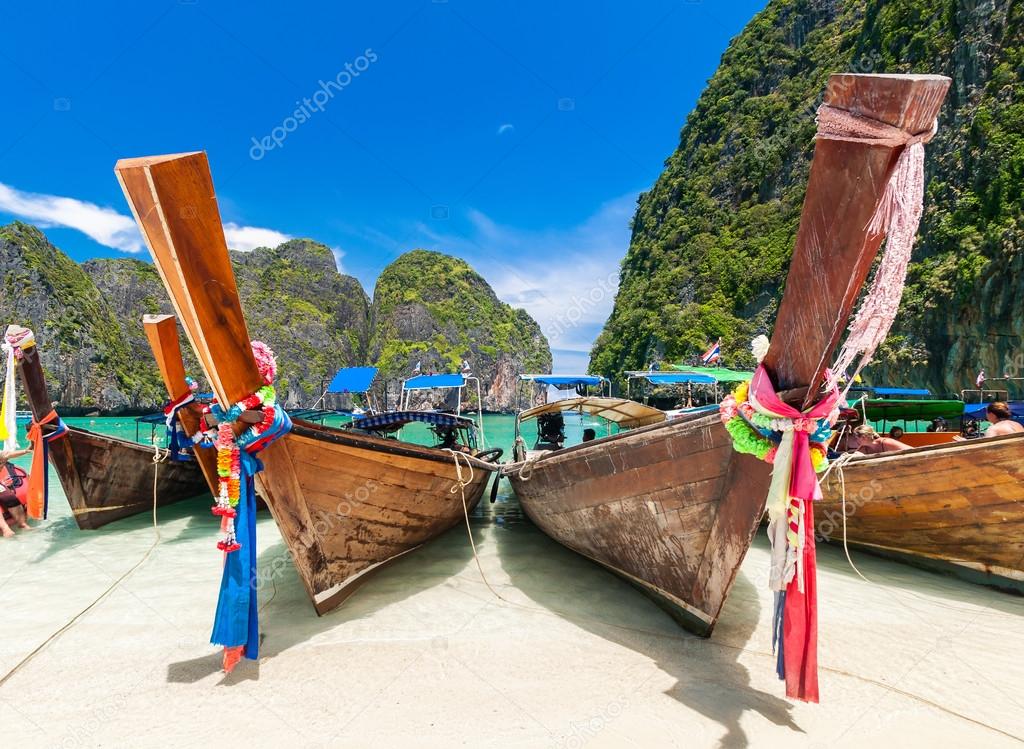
(672, 508)
(958, 507)
(347, 504)
(106, 479)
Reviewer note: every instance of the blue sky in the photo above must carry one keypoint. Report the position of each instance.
(515, 135)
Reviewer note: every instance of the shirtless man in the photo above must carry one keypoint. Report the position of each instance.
(866, 440)
(9, 501)
(1001, 419)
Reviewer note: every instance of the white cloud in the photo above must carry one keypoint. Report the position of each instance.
(565, 278)
(104, 225)
(507, 127)
(110, 228)
(247, 238)
(339, 255)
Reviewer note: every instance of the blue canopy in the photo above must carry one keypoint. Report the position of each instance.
(394, 419)
(918, 392)
(352, 380)
(979, 410)
(427, 382)
(564, 381)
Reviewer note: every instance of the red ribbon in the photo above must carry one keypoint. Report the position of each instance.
(800, 618)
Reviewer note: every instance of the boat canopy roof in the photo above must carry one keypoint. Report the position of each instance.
(352, 380)
(673, 378)
(910, 392)
(564, 382)
(912, 409)
(719, 374)
(433, 381)
(978, 410)
(392, 420)
(626, 413)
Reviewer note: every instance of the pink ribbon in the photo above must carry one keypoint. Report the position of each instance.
(803, 482)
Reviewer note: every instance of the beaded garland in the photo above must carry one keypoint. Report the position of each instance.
(759, 435)
(229, 446)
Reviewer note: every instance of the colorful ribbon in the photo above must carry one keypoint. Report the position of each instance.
(38, 478)
(793, 488)
(179, 444)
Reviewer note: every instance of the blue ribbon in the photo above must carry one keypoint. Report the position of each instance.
(237, 620)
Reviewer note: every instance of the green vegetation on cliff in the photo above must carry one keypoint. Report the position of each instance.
(435, 309)
(712, 238)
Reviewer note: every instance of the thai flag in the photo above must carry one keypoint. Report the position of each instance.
(713, 354)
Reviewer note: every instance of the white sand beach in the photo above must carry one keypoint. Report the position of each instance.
(424, 654)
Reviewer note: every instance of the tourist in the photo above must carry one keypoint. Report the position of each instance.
(9, 502)
(1001, 419)
(867, 440)
(896, 433)
(589, 434)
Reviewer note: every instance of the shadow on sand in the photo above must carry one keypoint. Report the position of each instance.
(287, 617)
(709, 679)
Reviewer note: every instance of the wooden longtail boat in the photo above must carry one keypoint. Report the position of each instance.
(105, 478)
(957, 506)
(671, 507)
(346, 503)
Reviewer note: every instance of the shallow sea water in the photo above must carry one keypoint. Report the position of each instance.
(426, 653)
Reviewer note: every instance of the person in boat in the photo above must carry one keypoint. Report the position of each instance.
(550, 431)
(589, 434)
(1000, 417)
(10, 503)
(938, 425)
(896, 433)
(867, 440)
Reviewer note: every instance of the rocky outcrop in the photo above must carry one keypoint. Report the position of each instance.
(314, 318)
(712, 238)
(435, 310)
(89, 361)
(88, 321)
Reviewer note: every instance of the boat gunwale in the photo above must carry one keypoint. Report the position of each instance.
(981, 442)
(691, 420)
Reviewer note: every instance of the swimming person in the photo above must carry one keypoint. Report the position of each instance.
(9, 501)
(1000, 417)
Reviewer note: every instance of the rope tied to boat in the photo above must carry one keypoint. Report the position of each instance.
(158, 458)
(897, 217)
(460, 487)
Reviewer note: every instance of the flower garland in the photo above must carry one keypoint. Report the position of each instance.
(229, 453)
(759, 435)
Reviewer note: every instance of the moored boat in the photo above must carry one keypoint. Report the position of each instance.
(346, 502)
(671, 507)
(104, 478)
(946, 504)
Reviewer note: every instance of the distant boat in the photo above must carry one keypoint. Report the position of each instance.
(346, 502)
(956, 506)
(105, 478)
(671, 507)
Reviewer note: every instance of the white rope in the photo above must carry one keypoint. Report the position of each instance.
(158, 458)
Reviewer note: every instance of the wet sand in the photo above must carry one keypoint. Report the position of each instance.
(425, 654)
